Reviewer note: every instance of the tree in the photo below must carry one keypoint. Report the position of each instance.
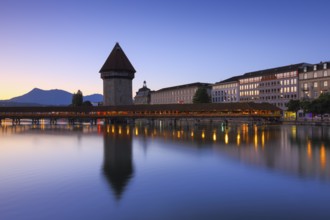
(201, 96)
(305, 105)
(293, 106)
(77, 99)
(87, 103)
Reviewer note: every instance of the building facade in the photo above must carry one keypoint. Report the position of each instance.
(276, 86)
(117, 73)
(182, 94)
(143, 95)
(226, 90)
(314, 80)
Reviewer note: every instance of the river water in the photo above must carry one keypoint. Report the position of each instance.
(146, 172)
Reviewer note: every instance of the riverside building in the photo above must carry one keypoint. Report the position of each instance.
(276, 86)
(314, 80)
(226, 90)
(182, 94)
(143, 95)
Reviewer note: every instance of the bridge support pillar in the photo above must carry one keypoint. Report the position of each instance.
(16, 121)
(53, 121)
(93, 121)
(35, 121)
(71, 121)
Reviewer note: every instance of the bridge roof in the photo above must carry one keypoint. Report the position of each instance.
(117, 61)
(246, 106)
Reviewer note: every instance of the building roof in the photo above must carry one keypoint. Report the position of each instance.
(319, 66)
(117, 61)
(281, 69)
(231, 79)
(197, 84)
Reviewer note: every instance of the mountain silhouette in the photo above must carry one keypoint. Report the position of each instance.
(47, 97)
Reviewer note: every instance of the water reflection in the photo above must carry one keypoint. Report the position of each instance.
(298, 150)
(302, 151)
(117, 158)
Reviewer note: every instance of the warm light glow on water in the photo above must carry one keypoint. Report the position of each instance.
(238, 138)
(214, 136)
(323, 156)
(309, 149)
(150, 172)
(226, 138)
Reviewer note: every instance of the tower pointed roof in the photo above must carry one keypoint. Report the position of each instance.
(117, 61)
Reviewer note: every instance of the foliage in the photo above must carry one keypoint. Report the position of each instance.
(87, 103)
(77, 99)
(294, 106)
(321, 105)
(201, 96)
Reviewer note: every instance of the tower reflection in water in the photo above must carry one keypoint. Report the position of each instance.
(117, 162)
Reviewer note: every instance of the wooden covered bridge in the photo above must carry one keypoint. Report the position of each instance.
(120, 113)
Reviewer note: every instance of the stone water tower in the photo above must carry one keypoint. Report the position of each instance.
(117, 73)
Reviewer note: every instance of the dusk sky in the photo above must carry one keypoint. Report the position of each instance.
(62, 44)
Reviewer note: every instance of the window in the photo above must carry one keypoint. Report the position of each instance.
(325, 83)
(315, 74)
(305, 76)
(315, 67)
(315, 84)
(305, 86)
(324, 65)
(325, 73)
(305, 69)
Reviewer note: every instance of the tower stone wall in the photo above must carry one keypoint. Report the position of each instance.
(117, 91)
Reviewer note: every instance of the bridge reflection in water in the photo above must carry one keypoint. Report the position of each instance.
(299, 151)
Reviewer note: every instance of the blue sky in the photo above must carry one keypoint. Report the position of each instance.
(63, 43)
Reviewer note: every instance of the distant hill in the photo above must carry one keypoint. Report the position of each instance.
(39, 97)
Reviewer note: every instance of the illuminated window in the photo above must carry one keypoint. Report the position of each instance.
(325, 73)
(315, 67)
(315, 84)
(305, 76)
(324, 65)
(315, 74)
(325, 83)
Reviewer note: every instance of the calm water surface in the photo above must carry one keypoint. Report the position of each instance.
(144, 172)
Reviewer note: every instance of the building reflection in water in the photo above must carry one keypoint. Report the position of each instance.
(118, 162)
(296, 150)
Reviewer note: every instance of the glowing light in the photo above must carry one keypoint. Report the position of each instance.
(203, 134)
(127, 130)
(323, 156)
(263, 139)
(226, 138)
(178, 134)
(294, 131)
(136, 131)
(145, 131)
(309, 149)
(192, 133)
(113, 129)
(238, 138)
(214, 136)
(119, 130)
